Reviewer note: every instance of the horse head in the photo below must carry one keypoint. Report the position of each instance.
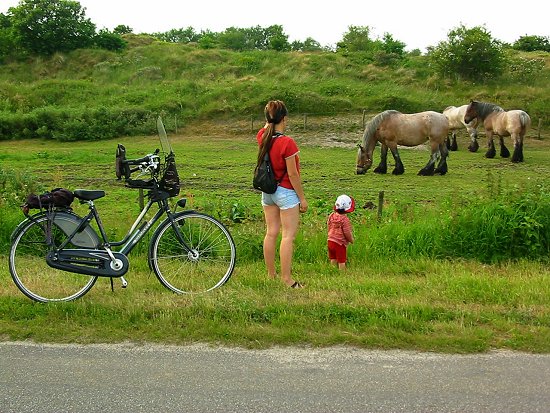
(471, 112)
(364, 162)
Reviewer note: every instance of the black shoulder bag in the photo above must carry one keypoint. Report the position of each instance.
(264, 178)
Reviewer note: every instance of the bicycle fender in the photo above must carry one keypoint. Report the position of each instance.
(68, 222)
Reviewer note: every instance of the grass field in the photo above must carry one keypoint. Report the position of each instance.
(414, 301)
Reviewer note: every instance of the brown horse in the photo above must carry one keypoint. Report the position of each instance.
(392, 128)
(497, 121)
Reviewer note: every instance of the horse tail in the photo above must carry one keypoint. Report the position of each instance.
(525, 120)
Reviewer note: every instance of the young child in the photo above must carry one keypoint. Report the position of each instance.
(339, 230)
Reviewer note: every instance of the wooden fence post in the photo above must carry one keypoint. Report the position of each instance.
(363, 120)
(540, 126)
(305, 121)
(380, 204)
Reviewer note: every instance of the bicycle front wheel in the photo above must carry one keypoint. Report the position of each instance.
(205, 262)
(32, 274)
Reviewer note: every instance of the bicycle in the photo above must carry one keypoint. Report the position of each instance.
(56, 255)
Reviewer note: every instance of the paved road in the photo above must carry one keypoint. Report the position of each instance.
(198, 378)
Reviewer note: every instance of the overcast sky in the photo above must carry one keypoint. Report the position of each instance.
(418, 24)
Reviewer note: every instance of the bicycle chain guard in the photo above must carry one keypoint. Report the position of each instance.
(89, 262)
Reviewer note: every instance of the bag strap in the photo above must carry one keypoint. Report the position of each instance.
(266, 156)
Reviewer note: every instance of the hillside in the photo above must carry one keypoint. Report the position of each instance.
(95, 94)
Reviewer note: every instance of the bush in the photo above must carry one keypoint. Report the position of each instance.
(470, 54)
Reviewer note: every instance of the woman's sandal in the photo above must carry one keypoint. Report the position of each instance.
(296, 285)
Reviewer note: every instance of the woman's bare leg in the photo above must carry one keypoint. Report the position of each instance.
(273, 226)
(290, 218)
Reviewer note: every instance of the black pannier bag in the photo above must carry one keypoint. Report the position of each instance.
(58, 198)
(170, 181)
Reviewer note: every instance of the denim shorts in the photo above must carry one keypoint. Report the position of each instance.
(283, 197)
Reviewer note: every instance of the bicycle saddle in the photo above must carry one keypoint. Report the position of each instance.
(88, 195)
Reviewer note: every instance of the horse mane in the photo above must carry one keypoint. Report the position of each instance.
(484, 109)
(375, 122)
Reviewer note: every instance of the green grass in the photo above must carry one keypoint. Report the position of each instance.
(446, 306)
(452, 264)
(394, 294)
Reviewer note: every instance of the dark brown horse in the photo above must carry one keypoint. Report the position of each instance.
(497, 121)
(392, 128)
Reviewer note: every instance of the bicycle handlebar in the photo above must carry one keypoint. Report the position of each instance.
(146, 159)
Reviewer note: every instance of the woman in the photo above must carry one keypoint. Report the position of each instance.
(281, 209)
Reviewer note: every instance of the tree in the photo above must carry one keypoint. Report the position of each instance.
(234, 38)
(208, 39)
(109, 41)
(392, 46)
(122, 29)
(389, 51)
(532, 43)
(356, 39)
(7, 40)
(179, 35)
(44, 27)
(308, 45)
(276, 38)
(469, 53)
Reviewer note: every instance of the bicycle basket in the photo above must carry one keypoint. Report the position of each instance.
(170, 181)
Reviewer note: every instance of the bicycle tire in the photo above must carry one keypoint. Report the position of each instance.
(207, 266)
(32, 274)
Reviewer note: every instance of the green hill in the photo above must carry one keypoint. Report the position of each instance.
(96, 94)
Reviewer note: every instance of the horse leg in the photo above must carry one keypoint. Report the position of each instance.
(428, 170)
(442, 167)
(518, 149)
(474, 146)
(399, 168)
(454, 145)
(448, 142)
(491, 151)
(504, 152)
(382, 167)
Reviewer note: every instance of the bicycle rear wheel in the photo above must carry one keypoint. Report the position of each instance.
(30, 271)
(209, 263)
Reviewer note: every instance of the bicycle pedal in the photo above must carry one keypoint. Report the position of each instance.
(124, 282)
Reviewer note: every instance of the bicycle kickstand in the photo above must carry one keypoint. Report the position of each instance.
(123, 282)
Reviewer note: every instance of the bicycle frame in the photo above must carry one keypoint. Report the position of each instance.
(136, 231)
(103, 261)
